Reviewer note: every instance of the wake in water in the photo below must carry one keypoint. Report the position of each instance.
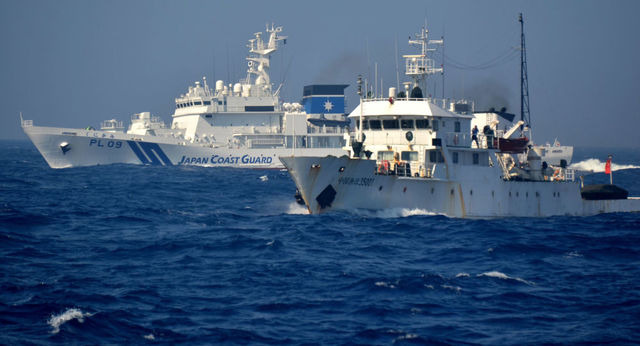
(597, 166)
(58, 320)
(393, 213)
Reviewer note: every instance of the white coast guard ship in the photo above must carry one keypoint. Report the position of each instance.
(412, 152)
(240, 125)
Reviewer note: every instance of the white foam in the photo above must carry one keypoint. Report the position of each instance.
(595, 165)
(499, 275)
(453, 288)
(572, 254)
(149, 337)
(295, 208)
(393, 213)
(264, 178)
(407, 336)
(58, 320)
(384, 284)
(462, 275)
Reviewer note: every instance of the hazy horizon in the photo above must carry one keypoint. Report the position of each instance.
(76, 63)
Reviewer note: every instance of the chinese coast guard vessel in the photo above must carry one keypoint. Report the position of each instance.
(413, 152)
(240, 125)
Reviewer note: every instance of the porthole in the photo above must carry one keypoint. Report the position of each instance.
(471, 192)
(380, 188)
(432, 190)
(517, 194)
(341, 169)
(452, 192)
(493, 193)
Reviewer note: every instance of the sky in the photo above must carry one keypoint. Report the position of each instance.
(75, 63)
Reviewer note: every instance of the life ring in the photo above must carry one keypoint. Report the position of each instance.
(556, 174)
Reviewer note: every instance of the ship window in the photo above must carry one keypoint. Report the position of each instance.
(435, 156)
(422, 123)
(455, 157)
(375, 124)
(390, 124)
(406, 124)
(435, 125)
(409, 156)
(208, 116)
(457, 127)
(207, 102)
(385, 155)
(220, 103)
(476, 158)
(365, 124)
(197, 103)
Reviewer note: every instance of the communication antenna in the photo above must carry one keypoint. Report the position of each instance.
(524, 79)
(397, 71)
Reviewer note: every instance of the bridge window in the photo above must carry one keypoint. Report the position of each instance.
(409, 156)
(207, 103)
(390, 124)
(375, 124)
(385, 155)
(406, 124)
(457, 126)
(197, 103)
(435, 125)
(455, 157)
(435, 156)
(422, 123)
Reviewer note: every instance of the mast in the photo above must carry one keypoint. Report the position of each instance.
(524, 79)
(420, 66)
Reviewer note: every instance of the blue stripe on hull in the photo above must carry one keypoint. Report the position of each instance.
(153, 149)
(134, 146)
(153, 152)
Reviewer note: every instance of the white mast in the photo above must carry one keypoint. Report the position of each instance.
(258, 63)
(420, 66)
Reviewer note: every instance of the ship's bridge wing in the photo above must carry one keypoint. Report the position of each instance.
(403, 107)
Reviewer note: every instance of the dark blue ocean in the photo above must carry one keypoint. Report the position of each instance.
(140, 254)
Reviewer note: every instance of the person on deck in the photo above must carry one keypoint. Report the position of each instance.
(474, 135)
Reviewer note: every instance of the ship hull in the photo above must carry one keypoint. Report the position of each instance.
(339, 183)
(64, 148)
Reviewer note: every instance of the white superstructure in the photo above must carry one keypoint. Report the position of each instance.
(418, 153)
(239, 125)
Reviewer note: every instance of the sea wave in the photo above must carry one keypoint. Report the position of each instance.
(499, 275)
(58, 320)
(597, 166)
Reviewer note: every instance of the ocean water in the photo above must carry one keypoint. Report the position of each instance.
(139, 254)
